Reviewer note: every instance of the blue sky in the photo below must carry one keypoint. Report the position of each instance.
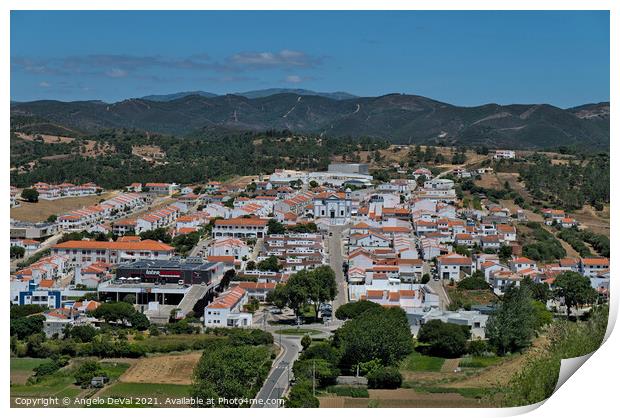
(465, 58)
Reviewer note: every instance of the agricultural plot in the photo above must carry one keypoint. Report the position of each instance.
(171, 369)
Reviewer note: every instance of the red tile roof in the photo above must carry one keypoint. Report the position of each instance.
(147, 245)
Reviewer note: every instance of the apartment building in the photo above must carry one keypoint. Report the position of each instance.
(86, 252)
(240, 228)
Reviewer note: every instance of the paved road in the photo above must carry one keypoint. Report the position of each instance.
(335, 261)
(201, 246)
(278, 381)
(438, 288)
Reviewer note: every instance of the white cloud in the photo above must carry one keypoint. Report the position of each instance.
(44, 84)
(116, 73)
(293, 79)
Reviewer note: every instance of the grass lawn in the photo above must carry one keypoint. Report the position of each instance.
(298, 331)
(481, 362)
(25, 364)
(417, 362)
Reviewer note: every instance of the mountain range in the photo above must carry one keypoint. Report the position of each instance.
(253, 94)
(399, 118)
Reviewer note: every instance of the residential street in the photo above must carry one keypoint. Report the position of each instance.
(278, 381)
(335, 261)
(437, 287)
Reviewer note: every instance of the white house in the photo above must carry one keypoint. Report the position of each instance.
(452, 266)
(227, 310)
(521, 263)
(504, 154)
(230, 247)
(591, 267)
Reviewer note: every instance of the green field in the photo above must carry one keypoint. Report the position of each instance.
(59, 384)
(481, 362)
(417, 362)
(477, 393)
(25, 363)
(180, 342)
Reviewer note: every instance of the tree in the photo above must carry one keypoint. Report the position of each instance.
(275, 227)
(228, 276)
(26, 326)
(114, 311)
(250, 265)
(315, 286)
(322, 350)
(306, 341)
(17, 251)
(324, 372)
(271, 263)
(539, 291)
(425, 278)
(541, 314)
(21, 311)
(159, 234)
(139, 321)
(313, 184)
(83, 333)
(354, 309)
(301, 396)
(381, 334)
(505, 251)
(86, 371)
(574, 289)
(444, 339)
(278, 296)
(30, 195)
(230, 371)
(511, 327)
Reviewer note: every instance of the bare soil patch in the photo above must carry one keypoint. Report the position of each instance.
(48, 139)
(40, 211)
(172, 369)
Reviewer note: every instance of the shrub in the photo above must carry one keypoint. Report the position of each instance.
(473, 282)
(477, 347)
(385, 378)
(86, 371)
(444, 339)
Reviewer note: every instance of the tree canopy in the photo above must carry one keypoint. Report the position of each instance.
(444, 339)
(512, 326)
(574, 289)
(381, 334)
